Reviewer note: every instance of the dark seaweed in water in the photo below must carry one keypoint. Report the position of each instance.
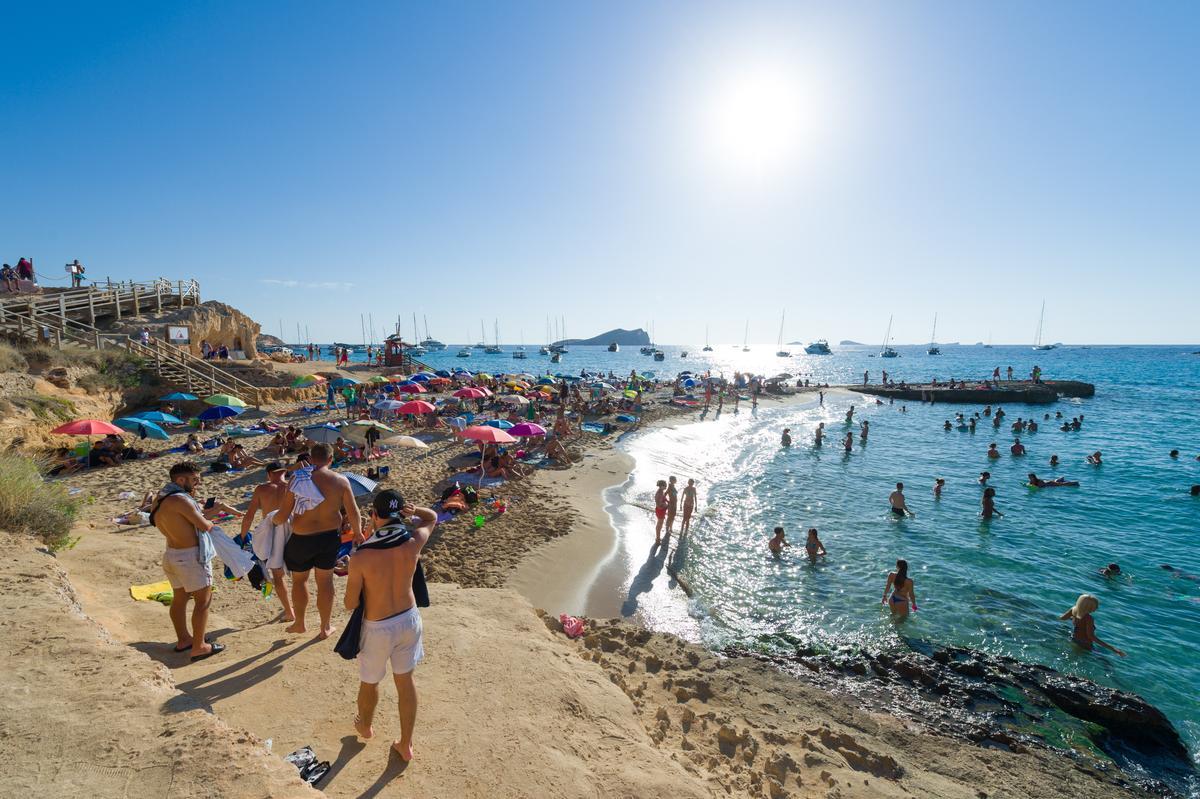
(999, 702)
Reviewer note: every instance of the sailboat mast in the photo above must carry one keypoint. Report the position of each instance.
(782, 316)
(933, 335)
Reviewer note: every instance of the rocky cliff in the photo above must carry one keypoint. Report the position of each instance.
(212, 321)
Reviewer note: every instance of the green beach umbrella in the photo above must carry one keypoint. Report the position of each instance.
(225, 399)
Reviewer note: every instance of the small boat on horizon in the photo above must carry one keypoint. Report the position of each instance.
(887, 351)
(614, 347)
(781, 352)
(933, 347)
(707, 346)
(819, 347)
(1037, 344)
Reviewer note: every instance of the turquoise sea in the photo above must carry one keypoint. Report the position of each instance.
(996, 586)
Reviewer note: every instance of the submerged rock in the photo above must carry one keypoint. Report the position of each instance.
(1001, 702)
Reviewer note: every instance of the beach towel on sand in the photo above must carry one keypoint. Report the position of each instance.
(147, 592)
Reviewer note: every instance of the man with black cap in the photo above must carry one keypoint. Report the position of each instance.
(267, 498)
(382, 578)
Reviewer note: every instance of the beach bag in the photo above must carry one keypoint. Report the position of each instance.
(348, 643)
(470, 495)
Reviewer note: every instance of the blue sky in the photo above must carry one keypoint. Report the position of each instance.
(616, 163)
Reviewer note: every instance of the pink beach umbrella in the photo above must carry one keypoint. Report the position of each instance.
(411, 388)
(526, 430)
(488, 435)
(470, 393)
(87, 427)
(416, 406)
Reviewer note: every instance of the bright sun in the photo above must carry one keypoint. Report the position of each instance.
(759, 120)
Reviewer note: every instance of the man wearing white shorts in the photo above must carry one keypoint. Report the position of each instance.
(381, 578)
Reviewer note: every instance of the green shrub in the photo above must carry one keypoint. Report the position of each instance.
(29, 504)
(11, 360)
(44, 407)
(113, 368)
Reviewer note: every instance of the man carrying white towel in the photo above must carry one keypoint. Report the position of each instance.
(270, 537)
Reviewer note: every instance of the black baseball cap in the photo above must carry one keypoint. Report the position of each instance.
(274, 466)
(388, 504)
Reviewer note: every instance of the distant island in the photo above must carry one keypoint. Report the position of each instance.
(848, 343)
(626, 338)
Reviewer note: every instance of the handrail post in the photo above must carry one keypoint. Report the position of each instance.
(180, 293)
(137, 306)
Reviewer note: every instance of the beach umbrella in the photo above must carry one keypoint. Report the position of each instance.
(443, 373)
(307, 380)
(411, 388)
(142, 427)
(359, 485)
(405, 441)
(602, 385)
(364, 423)
(87, 427)
(388, 405)
(689, 383)
(416, 406)
(514, 399)
(322, 433)
(488, 435)
(483, 375)
(227, 400)
(527, 430)
(499, 423)
(439, 381)
(158, 416)
(377, 379)
(546, 381)
(218, 412)
(177, 396)
(342, 382)
(630, 393)
(421, 377)
(470, 393)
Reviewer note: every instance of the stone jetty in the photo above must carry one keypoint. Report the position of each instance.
(1005, 393)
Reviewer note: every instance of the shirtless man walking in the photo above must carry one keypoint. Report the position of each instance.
(178, 517)
(899, 505)
(267, 498)
(381, 575)
(316, 536)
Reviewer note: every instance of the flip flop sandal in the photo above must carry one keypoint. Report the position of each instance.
(315, 772)
(189, 646)
(216, 650)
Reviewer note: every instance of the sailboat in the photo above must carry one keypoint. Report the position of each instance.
(887, 351)
(746, 337)
(431, 344)
(545, 348)
(519, 352)
(1037, 344)
(782, 353)
(933, 347)
(482, 343)
(416, 349)
(988, 346)
(707, 347)
(495, 348)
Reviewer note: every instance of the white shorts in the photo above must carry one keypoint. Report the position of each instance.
(185, 571)
(398, 639)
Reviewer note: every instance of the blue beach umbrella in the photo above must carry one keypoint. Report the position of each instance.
(361, 486)
(442, 373)
(322, 433)
(142, 427)
(342, 382)
(178, 396)
(689, 383)
(546, 381)
(218, 412)
(159, 417)
(420, 377)
(500, 423)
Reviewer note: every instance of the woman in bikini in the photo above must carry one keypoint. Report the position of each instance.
(898, 593)
(1083, 630)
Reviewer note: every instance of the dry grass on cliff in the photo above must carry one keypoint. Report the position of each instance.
(112, 369)
(30, 505)
(45, 408)
(11, 359)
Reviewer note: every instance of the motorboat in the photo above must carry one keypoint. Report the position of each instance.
(519, 353)
(659, 355)
(647, 350)
(429, 343)
(614, 347)
(556, 358)
(683, 354)
(543, 350)
(819, 347)
(465, 352)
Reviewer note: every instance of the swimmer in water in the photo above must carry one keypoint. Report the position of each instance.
(1111, 570)
(1017, 448)
(1053, 461)
(947, 426)
(992, 452)
(813, 545)
(777, 543)
(898, 592)
(848, 444)
(1038, 482)
(1174, 453)
(1083, 626)
(899, 506)
(864, 428)
(938, 485)
(972, 425)
(820, 435)
(1196, 490)
(786, 439)
(1180, 574)
(1094, 458)
(850, 415)
(989, 504)
(984, 477)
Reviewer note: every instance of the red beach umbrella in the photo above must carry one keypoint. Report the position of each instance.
(470, 393)
(411, 388)
(416, 406)
(489, 435)
(87, 427)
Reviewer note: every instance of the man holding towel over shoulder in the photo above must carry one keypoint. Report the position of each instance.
(270, 537)
(385, 576)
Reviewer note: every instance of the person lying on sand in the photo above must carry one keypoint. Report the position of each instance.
(381, 578)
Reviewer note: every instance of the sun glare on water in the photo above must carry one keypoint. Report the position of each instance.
(761, 119)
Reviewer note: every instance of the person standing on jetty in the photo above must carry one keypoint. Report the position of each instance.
(381, 578)
(187, 561)
(267, 498)
(316, 500)
(660, 510)
(899, 506)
